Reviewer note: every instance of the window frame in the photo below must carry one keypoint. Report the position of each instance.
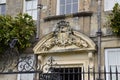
(29, 76)
(107, 2)
(31, 10)
(58, 8)
(108, 63)
(3, 2)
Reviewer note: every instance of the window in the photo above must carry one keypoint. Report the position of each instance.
(31, 8)
(2, 7)
(67, 6)
(112, 59)
(109, 4)
(26, 63)
(69, 73)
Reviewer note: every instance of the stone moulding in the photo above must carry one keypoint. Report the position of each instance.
(78, 14)
(45, 45)
(64, 39)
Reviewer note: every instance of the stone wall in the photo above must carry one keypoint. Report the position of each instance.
(13, 7)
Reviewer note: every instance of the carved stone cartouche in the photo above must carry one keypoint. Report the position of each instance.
(64, 36)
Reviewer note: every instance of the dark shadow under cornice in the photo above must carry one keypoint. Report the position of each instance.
(78, 14)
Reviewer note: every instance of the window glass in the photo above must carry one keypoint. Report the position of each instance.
(28, 5)
(109, 4)
(34, 14)
(62, 2)
(31, 8)
(67, 6)
(24, 65)
(75, 8)
(112, 60)
(65, 73)
(2, 1)
(68, 9)
(75, 0)
(68, 1)
(34, 4)
(62, 9)
(3, 7)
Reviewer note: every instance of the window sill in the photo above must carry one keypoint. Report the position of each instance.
(79, 14)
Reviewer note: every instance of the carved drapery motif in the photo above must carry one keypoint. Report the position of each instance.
(63, 36)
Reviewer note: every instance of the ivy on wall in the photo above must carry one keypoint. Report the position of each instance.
(114, 19)
(21, 27)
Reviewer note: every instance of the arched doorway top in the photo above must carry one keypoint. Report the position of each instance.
(64, 39)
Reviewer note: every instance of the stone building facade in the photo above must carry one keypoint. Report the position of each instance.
(84, 21)
(67, 31)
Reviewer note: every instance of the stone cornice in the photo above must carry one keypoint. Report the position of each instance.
(78, 14)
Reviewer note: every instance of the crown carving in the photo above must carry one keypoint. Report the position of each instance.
(63, 23)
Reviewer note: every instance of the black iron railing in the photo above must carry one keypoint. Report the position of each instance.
(80, 73)
(26, 65)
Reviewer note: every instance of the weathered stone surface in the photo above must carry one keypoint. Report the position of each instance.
(14, 7)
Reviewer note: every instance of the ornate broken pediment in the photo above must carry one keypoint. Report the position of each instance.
(63, 38)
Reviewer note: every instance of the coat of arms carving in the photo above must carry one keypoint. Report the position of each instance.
(64, 36)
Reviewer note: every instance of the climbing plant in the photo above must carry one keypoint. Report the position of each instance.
(21, 28)
(114, 19)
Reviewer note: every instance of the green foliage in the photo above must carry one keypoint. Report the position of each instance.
(115, 19)
(21, 27)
